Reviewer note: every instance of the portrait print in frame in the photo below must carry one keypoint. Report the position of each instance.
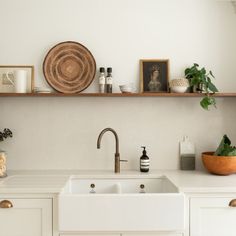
(154, 76)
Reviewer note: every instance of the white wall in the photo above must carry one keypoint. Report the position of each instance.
(61, 133)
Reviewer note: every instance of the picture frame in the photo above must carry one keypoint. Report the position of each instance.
(7, 79)
(154, 75)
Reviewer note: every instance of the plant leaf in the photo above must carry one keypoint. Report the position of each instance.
(225, 142)
(203, 71)
(232, 152)
(194, 81)
(186, 72)
(204, 103)
(207, 101)
(211, 74)
(212, 87)
(209, 79)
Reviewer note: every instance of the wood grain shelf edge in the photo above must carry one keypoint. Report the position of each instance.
(113, 95)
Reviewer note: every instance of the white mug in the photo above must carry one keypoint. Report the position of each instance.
(19, 81)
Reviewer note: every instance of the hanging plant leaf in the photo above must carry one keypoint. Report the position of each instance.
(208, 101)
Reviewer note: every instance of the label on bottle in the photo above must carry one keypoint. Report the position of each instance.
(102, 80)
(144, 164)
(109, 80)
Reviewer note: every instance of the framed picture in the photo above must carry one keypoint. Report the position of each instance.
(16, 79)
(154, 76)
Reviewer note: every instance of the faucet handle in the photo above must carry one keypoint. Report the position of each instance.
(123, 160)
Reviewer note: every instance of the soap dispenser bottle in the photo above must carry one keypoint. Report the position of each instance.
(144, 161)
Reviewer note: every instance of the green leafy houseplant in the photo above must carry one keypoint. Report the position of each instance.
(202, 80)
(6, 133)
(225, 148)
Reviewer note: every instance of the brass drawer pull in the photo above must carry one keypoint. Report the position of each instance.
(232, 203)
(6, 204)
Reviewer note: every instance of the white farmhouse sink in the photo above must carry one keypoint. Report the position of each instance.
(119, 185)
(121, 204)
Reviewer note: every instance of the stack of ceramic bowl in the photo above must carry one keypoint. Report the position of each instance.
(127, 88)
(42, 90)
(179, 85)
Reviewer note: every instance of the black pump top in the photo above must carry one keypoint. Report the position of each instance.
(144, 151)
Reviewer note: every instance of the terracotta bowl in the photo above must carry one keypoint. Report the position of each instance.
(219, 165)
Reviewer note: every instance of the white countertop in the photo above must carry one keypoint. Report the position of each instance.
(52, 182)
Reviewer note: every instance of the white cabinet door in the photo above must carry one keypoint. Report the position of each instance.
(212, 216)
(26, 217)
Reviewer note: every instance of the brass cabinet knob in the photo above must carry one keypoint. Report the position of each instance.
(232, 203)
(142, 186)
(6, 204)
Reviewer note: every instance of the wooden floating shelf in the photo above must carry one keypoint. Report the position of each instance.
(114, 95)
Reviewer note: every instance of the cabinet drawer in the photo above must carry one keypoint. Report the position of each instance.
(132, 234)
(212, 216)
(26, 217)
(84, 234)
(154, 234)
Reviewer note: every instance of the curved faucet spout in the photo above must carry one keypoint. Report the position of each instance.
(116, 137)
(117, 154)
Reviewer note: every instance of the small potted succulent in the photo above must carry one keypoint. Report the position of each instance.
(201, 81)
(6, 133)
(223, 160)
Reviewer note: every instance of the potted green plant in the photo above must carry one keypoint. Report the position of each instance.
(223, 160)
(201, 81)
(6, 133)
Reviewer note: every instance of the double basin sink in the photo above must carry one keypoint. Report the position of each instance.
(120, 204)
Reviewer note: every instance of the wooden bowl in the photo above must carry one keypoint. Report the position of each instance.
(219, 165)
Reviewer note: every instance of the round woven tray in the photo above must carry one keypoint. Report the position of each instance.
(69, 67)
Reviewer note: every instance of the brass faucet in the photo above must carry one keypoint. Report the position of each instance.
(117, 154)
